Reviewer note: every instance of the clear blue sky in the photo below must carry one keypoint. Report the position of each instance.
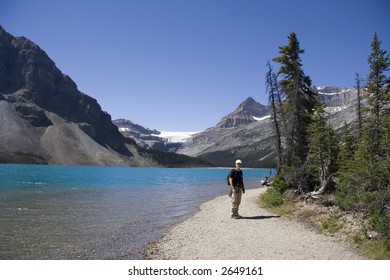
(181, 65)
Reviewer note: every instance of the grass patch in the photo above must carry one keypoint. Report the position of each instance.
(333, 223)
(323, 216)
(376, 249)
(272, 198)
(281, 204)
(308, 216)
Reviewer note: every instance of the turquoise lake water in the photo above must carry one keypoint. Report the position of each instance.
(69, 212)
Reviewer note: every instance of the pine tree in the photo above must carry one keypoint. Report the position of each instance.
(299, 103)
(365, 179)
(348, 145)
(297, 109)
(374, 147)
(323, 150)
(377, 87)
(376, 132)
(348, 190)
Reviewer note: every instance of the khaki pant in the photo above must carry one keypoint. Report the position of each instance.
(236, 200)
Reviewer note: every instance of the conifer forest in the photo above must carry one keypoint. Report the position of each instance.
(312, 159)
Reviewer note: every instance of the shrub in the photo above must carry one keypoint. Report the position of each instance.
(279, 184)
(272, 198)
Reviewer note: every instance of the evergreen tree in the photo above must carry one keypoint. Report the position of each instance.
(348, 191)
(377, 87)
(374, 147)
(365, 179)
(323, 150)
(348, 145)
(299, 102)
(297, 109)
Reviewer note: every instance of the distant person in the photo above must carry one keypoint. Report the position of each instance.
(236, 181)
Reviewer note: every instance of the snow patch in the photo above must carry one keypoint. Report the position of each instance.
(335, 109)
(342, 90)
(175, 137)
(262, 118)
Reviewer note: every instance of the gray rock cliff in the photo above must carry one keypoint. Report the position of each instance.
(43, 112)
(248, 133)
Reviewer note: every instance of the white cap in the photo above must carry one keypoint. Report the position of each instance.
(238, 161)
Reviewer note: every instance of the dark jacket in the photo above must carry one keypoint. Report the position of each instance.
(238, 180)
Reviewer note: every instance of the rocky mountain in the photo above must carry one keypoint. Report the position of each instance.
(247, 112)
(247, 132)
(334, 97)
(43, 113)
(244, 133)
(146, 137)
(341, 105)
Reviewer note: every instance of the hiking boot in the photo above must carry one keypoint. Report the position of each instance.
(235, 216)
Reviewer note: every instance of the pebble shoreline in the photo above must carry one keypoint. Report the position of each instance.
(211, 234)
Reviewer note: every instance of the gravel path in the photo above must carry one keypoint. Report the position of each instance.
(212, 235)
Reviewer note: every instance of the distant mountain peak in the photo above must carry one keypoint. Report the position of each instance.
(127, 125)
(246, 113)
(249, 100)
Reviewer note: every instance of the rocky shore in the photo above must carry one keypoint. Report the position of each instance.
(211, 234)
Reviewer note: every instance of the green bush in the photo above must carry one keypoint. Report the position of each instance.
(272, 198)
(279, 184)
(377, 249)
(380, 221)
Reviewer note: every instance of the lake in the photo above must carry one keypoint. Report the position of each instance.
(73, 212)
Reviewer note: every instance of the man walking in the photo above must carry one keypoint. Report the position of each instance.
(237, 184)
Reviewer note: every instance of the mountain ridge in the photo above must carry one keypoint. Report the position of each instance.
(62, 124)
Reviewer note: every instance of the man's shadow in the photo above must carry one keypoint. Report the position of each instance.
(260, 217)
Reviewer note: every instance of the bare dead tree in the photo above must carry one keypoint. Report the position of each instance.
(358, 81)
(275, 102)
